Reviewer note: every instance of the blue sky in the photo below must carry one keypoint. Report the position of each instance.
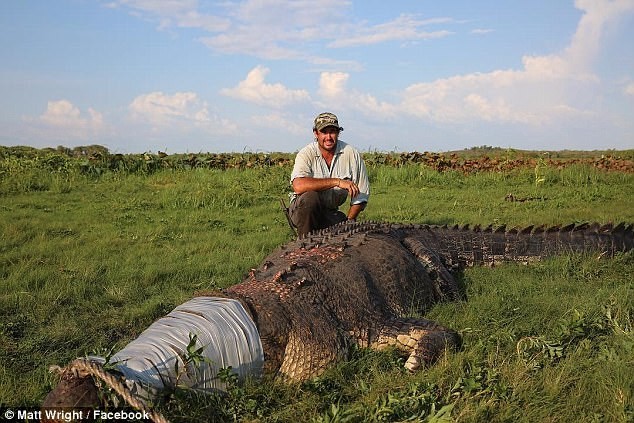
(405, 75)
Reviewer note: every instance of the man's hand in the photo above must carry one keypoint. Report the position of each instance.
(350, 186)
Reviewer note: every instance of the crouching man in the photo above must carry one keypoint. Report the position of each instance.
(326, 172)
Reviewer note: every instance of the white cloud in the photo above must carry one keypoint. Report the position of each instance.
(546, 88)
(252, 27)
(249, 42)
(173, 13)
(62, 122)
(482, 31)
(280, 121)
(558, 87)
(485, 108)
(303, 13)
(404, 28)
(598, 16)
(159, 109)
(332, 84)
(281, 29)
(64, 116)
(255, 90)
(333, 89)
(182, 110)
(534, 95)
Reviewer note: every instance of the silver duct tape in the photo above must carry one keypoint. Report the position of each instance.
(224, 329)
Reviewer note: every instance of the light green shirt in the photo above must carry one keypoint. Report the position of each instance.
(347, 164)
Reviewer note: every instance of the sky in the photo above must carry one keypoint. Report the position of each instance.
(195, 76)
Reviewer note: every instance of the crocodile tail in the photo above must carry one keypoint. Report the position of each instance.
(468, 246)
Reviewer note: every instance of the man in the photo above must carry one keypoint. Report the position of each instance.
(326, 171)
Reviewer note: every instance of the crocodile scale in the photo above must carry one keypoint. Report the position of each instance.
(366, 284)
(355, 283)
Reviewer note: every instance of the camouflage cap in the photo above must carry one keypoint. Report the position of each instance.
(324, 120)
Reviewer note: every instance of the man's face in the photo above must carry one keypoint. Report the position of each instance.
(327, 138)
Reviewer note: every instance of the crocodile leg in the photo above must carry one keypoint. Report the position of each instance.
(424, 340)
(313, 345)
(444, 282)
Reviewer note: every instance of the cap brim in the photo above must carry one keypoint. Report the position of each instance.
(319, 128)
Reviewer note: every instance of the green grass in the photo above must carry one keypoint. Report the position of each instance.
(87, 263)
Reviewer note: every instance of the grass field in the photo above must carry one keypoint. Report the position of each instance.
(88, 261)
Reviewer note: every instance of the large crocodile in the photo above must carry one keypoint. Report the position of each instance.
(361, 283)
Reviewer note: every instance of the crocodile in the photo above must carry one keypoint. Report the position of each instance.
(368, 283)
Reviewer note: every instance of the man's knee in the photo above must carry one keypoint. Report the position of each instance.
(304, 211)
(305, 203)
(309, 199)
